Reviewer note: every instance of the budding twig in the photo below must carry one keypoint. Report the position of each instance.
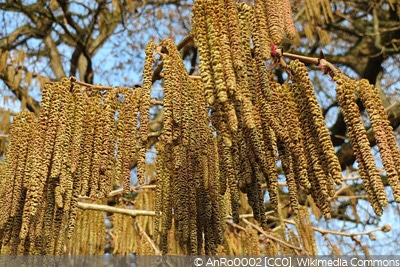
(321, 62)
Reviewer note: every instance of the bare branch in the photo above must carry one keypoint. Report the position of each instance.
(260, 230)
(133, 213)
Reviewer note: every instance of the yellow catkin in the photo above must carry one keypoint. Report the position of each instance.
(232, 23)
(288, 20)
(251, 241)
(246, 79)
(323, 165)
(288, 168)
(13, 175)
(43, 148)
(98, 126)
(159, 192)
(57, 151)
(66, 176)
(255, 196)
(88, 237)
(274, 15)
(129, 139)
(120, 134)
(290, 118)
(370, 175)
(108, 144)
(305, 231)
(199, 26)
(259, 29)
(231, 181)
(215, 44)
(270, 130)
(87, 145)
(4, 128)
(72, 215)
(330, 160)
(145, 108)
(79, 104)
(220, 21)
(123, 226)
(246, 173)
(383, 133)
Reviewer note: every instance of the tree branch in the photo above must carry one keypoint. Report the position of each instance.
(31, 104)
(133, 213)
(260, 230)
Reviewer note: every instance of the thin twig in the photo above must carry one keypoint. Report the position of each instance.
(91, 86)
(106, 208)
(235, 225)
(143, 233)
(324, 232)
(132, 189)
(157, 103)
(259, 229)
(321, 62)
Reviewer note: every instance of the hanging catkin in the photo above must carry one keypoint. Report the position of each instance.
(108, 142)
(345, 90)
(383, 132)
(274, 15)
(145, 110)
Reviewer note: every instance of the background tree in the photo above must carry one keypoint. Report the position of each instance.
(54, 39)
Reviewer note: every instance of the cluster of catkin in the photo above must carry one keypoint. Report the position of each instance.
(224, 134)
(189, 200)
(89, 236)
(82, 144)
(258, 121)
(347, 92)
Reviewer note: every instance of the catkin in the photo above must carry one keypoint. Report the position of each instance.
(288, 20)
(274, 15)
(144, 110)
(370, 175)
(383, 133)
(199, 26)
